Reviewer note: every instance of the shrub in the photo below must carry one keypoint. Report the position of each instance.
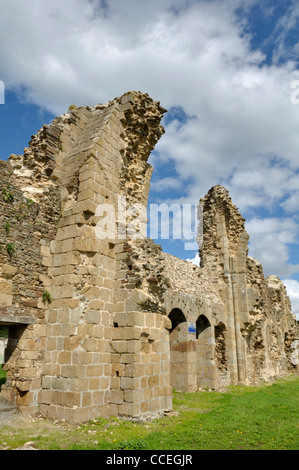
(10, 247)
(8, 196)
(47, 296)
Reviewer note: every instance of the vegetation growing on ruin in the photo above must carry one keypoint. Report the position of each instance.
(10, 247)
(47, 296)
(7, 195)
(29, 203)
(239, 418)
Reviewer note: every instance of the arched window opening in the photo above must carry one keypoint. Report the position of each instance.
(204, 353)
(179, 352)
(202, 323)
(176, 316)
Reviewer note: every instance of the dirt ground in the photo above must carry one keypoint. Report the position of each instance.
(14, 419)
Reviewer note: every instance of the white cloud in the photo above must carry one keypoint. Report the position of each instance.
(164, 184)
(195, 260)
(291, 204)
(293, 293)
(284, 49)
(269, 239)
(241, 128)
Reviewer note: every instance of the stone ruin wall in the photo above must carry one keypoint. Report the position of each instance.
(113, 338)
(26, 231)
(93, 354)
(258, 309)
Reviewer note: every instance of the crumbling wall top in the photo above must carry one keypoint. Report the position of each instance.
(220, 218)
(186, 277)
(131, 122)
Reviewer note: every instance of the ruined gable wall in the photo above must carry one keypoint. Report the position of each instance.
(258, 312)
(89, 157)
(224, 252)
(102, 356)
(140, 385)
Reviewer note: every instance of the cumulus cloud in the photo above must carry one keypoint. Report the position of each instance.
(240, 127)
(163, 184)
(291, 204)
(269, 240)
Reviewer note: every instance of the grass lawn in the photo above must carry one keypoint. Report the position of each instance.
(249, 418)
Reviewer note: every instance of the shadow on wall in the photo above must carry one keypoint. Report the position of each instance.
(9, 338)
(196, 360)
(3, 345)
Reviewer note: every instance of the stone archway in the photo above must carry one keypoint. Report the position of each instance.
(182, 354)
(205, 369)
(202, 323)
(177, 338)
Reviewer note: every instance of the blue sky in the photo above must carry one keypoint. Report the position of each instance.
(224, 71)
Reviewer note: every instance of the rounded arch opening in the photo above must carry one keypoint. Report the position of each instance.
(178, 343)
(176, 316)
(202, 323)
(204, 352)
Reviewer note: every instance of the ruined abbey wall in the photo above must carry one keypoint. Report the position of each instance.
(101, 322)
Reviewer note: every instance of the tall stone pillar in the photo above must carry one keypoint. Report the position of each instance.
(93, 362)
(224, 252)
